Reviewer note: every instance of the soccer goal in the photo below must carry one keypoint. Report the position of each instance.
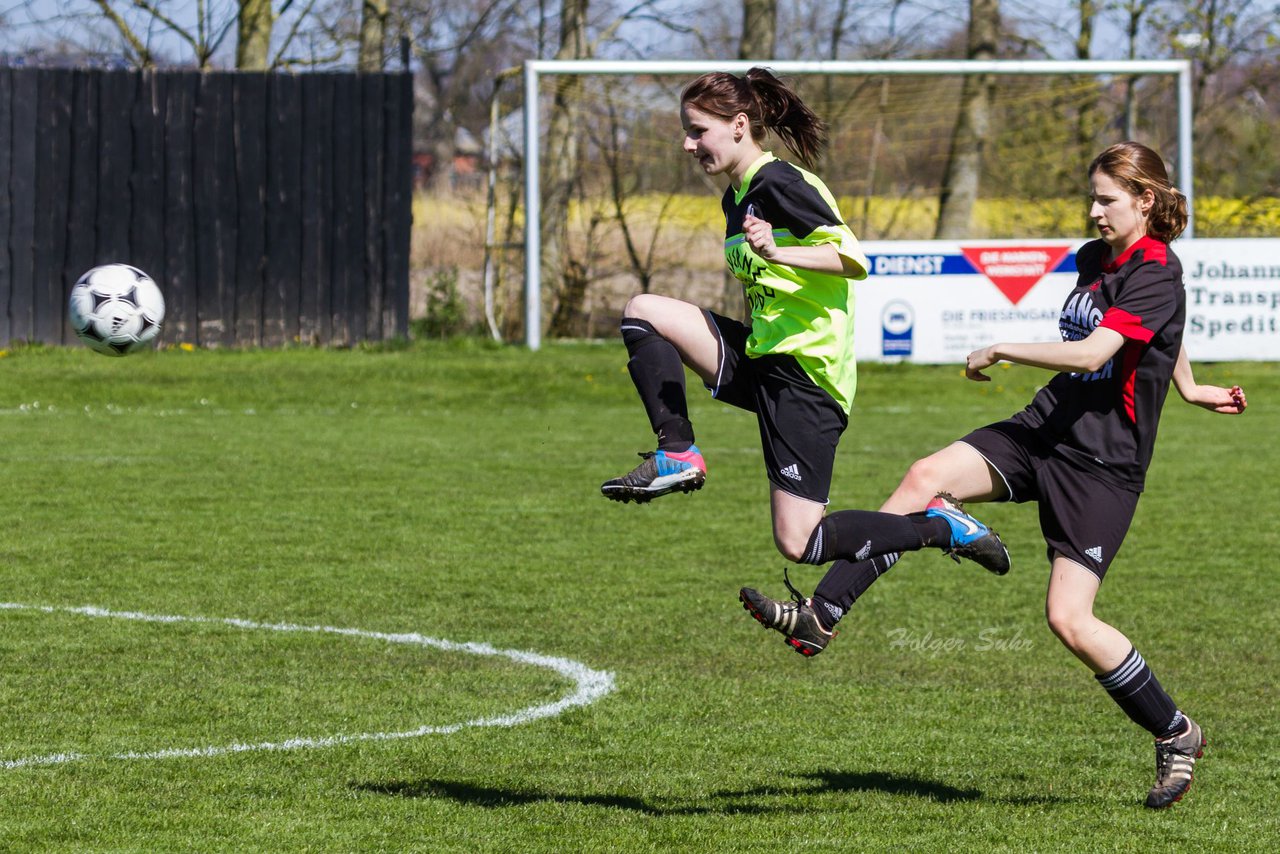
(891, 123)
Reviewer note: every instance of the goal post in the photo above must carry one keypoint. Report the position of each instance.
(534, 70)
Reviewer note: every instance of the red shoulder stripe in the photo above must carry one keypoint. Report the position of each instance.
(1128, 325)
(1154, 250)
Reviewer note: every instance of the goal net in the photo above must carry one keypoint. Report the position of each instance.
(632, 212)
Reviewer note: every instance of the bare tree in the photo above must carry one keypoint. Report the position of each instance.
(134, 21)
(964, 162)
(759, 41)
(1233, 44)
(1219, 34)
(759, 29)
(141, 25)
(454, 46)
(611, 144)
(1134, 11)
(1087, 111)
(373, 28)
(559, 268)
(253, 46)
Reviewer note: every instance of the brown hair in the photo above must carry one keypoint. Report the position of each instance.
(767, 102)
(1137, 169)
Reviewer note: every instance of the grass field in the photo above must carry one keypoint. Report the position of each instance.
(452, 491)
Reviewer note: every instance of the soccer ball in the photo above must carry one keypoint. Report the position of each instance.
(116, 309)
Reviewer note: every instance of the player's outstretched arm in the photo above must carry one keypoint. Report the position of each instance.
(1083, 356)
(1228, 401)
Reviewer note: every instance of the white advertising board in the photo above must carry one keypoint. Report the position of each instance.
(936, 301)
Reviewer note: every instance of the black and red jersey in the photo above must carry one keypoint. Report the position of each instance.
(1106, 420)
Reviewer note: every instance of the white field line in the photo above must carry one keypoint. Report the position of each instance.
(590, 685)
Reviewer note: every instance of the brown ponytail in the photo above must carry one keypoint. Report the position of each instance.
(1137, 168)
(768, 103)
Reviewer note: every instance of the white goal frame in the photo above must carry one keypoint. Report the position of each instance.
(534, 70)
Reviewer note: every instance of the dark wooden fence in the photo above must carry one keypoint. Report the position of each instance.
(269, 208)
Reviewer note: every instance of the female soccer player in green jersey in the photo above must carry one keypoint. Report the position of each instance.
(792, 361)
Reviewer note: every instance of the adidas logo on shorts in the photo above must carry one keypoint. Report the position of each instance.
(792, 471)
(1095, 553)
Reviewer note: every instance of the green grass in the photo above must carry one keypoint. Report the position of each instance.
(451, 490)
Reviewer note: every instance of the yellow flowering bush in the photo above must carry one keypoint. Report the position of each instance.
(1219, 217)
(449, 232)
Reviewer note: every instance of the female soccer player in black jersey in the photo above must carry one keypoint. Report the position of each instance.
(792, 361)
(1082, 446)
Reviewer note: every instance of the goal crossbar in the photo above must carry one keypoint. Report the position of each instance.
(535, 69)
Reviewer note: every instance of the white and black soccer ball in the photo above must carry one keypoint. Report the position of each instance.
(116, 309)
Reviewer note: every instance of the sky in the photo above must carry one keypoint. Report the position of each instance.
(20, 31)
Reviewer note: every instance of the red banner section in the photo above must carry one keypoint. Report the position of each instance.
(1015, 269)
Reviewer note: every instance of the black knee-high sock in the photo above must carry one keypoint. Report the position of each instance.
(658, 374)
(864, 545)
(859, 535)
(844, 582)
(1137, 691)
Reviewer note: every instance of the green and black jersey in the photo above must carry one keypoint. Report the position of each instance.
(806, 314)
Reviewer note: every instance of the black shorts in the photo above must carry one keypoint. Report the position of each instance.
(800, 422)
(1082, 516)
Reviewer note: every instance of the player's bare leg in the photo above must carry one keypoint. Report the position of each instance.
(957, 469)
(794, 519)
(1069, 609)
(1121, 670)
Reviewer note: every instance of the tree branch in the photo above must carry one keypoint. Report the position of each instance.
(126, 32)
(279, 60)
(155, 12)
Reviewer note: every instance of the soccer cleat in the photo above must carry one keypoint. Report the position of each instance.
(660, 472)
(969, 538)
(796, 620)
(1175, 759)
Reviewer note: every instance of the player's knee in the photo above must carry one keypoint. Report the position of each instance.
(921, 481)
(791, 545)
(1070, 625)
(642, 307)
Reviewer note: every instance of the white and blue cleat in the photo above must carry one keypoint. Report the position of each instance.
(969, 538)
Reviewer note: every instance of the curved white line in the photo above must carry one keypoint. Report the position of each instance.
(590, 684)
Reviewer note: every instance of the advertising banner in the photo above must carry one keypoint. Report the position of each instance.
(936, 301)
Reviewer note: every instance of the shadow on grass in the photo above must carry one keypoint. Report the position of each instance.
(492, 796)
(891, 784)
(716, 803)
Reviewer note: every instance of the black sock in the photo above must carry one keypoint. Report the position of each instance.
(1135, 689)
(844, 582)
(658, 374)
(859, 535)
